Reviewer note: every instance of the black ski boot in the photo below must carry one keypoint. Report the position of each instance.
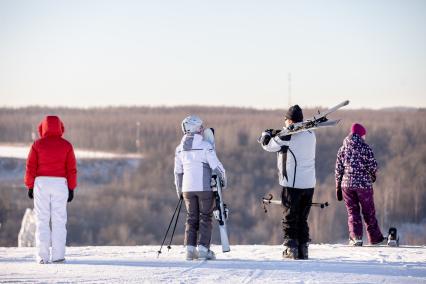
(393, 239)
(303, 251)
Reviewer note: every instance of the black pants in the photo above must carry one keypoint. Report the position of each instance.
(297, 204)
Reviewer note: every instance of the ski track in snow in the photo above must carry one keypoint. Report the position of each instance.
(244, 264)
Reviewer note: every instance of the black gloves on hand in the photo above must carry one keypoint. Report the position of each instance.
(266, 137)
(70, 195)
(339, 193)
(30, 193)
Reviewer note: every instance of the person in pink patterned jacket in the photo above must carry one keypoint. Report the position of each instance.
(355, 174)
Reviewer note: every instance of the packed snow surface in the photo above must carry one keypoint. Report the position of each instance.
(244, 264)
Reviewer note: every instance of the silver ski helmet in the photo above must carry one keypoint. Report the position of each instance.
(192, 124)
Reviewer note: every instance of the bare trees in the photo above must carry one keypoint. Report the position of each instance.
(133, 208)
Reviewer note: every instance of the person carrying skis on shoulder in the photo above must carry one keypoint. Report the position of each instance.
(296, 172)
(195, 163)
(51, 177)
(355, 174)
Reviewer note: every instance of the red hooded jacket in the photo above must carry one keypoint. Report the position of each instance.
(51, 155)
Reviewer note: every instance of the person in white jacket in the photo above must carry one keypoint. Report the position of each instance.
(195, 163)
(296, 172)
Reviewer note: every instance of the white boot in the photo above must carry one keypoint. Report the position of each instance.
(191, 253)
(205, 253)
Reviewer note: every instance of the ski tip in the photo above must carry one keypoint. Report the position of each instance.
(342, 104)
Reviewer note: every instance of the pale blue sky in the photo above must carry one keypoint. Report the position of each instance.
(231, 53)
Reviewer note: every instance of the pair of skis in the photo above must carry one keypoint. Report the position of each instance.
(220, 212)
(317, 121)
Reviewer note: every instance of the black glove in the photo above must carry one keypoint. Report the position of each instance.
(213, 181)
(266, 137)
(339, 193)
(70, 195)
(30, 193)
(373, 178)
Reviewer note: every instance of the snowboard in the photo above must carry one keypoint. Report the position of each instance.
(319, 120)
(221, 211)
(392, 240)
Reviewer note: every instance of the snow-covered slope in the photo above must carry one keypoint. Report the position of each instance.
(244, 264)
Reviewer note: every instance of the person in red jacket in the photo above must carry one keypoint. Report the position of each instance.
(51, 177)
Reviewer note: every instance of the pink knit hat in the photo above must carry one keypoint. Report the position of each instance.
(358, 129)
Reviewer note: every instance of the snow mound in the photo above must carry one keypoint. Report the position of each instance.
(26, 236)
(244, 264)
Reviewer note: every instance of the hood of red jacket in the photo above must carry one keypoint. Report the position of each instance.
(51, 126)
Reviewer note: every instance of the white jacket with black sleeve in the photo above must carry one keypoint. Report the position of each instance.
(296, 164)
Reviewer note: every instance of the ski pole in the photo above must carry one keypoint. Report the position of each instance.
(174, 227)
(168, 228)
(319, 204)
(269, 200)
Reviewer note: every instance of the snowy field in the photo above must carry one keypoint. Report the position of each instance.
(244, 264)
(19, 151)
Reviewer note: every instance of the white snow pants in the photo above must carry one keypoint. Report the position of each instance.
(50, 205)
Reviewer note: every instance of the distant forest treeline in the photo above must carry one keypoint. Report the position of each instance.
(137, 208)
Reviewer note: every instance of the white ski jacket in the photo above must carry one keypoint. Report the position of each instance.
(300, 161)
(195, 162)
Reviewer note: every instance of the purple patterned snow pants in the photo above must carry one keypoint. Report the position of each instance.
(354, 199)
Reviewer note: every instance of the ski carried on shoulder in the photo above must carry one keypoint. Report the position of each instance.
(220, 212)
(317, 121)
